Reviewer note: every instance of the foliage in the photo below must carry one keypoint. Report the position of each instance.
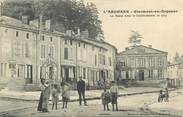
(177, 58)
(135, 38)
(71, 14)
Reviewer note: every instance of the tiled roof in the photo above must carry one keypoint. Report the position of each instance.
(15, 22)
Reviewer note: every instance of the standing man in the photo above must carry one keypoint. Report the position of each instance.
(81, 90)
(114, 95)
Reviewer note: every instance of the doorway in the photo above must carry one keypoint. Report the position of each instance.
(141, 75)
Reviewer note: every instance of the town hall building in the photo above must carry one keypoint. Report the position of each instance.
(142, 63)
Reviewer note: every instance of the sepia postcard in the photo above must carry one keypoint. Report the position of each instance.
(91, 58)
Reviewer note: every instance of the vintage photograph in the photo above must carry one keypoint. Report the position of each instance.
(91, 58)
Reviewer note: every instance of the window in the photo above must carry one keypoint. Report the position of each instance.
(93, 48)
(42, 38)
(6, 30)
(1, 69)
(70, 56)
(51, 51)
(70, 42)
(160, 73)
(27, 35)
(17, 33)
(29, 74)
(27, 50)
(51, 39)
(95, 60)
(65, 42)
(83, 45)
(160, 62)
(141, 62)
(79, 44)
(43, 51)
(150, 73)
(110, 62)
(65, 53)
(122, 63)
(103, 59)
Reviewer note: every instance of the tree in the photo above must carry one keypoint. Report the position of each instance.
(71, 14)
(176, 58)
(135, 38)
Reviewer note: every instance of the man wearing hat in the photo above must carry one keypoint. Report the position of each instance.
(81, 90)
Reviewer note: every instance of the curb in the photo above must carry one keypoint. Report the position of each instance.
(74, 100)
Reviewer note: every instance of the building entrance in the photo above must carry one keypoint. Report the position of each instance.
(141, 75)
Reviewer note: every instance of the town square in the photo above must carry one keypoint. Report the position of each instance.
(74, 58)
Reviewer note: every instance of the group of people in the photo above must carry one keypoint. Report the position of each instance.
(55, 90)
(163, 95)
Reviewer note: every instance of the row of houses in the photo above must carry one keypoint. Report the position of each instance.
(30, 51)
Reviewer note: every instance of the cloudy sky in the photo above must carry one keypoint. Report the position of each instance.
(164, 33)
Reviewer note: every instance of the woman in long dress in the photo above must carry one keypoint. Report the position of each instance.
(46, 96)
(41, 95)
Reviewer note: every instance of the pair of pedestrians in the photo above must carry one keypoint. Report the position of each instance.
(111, 96)
(65, 92)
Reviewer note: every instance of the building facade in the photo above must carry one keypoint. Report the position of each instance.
(141, 63)
(32, 51)
(175, 74)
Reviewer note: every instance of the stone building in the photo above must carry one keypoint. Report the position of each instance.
(30, 51)
(175, 74)
(141, 63)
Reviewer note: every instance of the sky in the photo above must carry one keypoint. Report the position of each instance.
(163, 33)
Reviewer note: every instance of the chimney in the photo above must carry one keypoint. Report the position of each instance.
(78, 31)
(40, 23)
(48, 24)
(69, 32)
(35, 23)
(85, 34)
(25, 19)
(150, 46)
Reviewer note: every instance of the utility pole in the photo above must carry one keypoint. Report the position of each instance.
(76, 60)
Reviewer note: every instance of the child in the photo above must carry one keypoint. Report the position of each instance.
(105, 99)
(114, 95)
(65, 93)
(161, 96)
(54, 97)
(166, 95)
